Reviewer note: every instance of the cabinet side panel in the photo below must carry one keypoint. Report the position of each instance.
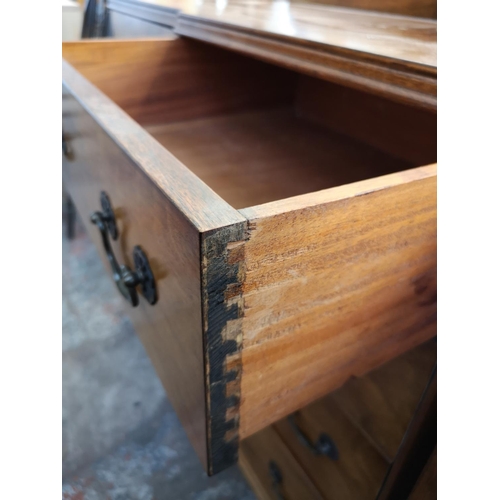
(334, 289)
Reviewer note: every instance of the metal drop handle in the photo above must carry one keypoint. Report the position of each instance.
(125, 279)
(323, 446)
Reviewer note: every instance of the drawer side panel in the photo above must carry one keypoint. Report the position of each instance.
(170, 330)
(334, 289)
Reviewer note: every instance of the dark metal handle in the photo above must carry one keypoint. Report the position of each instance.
(277, 480)
(323, 446)
(126, 280)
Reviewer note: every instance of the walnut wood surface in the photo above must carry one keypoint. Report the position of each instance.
(402, 131)
(168, 80)
(255, 454)
(199, 204)
(168, 212)
(334, 288)
(297, 294)
(416, 8)
(391, 56)
(382, 403)
(256, 157)
(360, 469)
(171, 330)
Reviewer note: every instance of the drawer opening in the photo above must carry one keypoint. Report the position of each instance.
(253, 132)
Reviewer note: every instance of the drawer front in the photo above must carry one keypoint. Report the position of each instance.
(170, 329)
(382, 403)
(351, 467)
(265, 309)
(272, 470)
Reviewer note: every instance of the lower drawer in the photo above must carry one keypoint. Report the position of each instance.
(272, 470)
(340, 461)
(290, 249)
(342, 442)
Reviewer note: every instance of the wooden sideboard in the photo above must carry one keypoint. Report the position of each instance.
(260, 180)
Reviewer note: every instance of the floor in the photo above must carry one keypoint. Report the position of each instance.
(121, 437)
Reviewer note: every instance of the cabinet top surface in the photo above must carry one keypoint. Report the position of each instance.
(405, 39)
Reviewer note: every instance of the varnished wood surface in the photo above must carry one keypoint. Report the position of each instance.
(199, 204)
(360, 469)
(416, 8)
(255, 454)
(322, 286)
(402, 131)
(391, 56)
(148, 9)
(335, 289)
(382, 403)
(168, 80)
(171, 330)
(261, 156)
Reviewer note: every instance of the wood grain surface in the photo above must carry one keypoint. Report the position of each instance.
(199, 204)
(282, 301)
(255, 454)
(401, 131)
(391, 56)
(168, 80)
(171, 330)
(261, 156)
(381, 404)
(168, 212)
(152, 9)
(335, 288)
(360, 469)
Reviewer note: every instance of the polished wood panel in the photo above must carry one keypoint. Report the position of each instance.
(391, 56)
(360, 469)
(261, 156)
(416, 8)
(168, 80)
(381, 404)
(402, 131)
(337, 282)
(255, 454)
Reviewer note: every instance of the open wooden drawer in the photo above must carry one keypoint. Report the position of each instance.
(289, 224)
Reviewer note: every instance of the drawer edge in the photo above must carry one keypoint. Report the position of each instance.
(196, 201)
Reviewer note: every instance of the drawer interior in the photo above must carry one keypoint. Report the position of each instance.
(254, 132)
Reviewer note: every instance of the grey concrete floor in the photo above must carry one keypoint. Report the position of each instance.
(121, 437)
